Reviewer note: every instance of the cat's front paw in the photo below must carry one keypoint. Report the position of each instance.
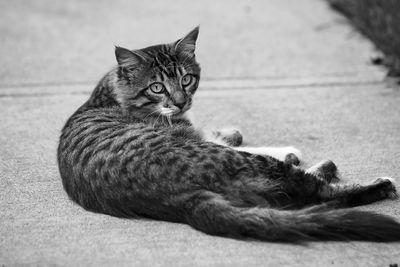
(292, 159)
(291, 155)
(229, 136)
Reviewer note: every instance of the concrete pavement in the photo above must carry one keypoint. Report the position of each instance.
(285, 71)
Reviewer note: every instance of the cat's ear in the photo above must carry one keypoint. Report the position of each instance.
(187, 44)
(126, 57)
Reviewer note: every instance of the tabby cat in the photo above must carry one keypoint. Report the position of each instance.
(131, 150)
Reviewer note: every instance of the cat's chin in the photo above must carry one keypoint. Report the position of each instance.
(179, 113)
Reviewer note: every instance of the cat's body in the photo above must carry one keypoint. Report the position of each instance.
(130, 150)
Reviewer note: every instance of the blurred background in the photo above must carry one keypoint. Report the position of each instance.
(68, 42)
(379, 21)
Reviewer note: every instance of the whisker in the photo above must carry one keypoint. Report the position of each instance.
(150, 114)
(155, 122)
(169, 119)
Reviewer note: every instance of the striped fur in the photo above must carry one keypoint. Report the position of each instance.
(129, 151)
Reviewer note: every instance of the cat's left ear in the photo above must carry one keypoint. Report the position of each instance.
(187, 44)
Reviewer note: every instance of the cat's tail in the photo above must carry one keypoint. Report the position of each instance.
(212, 214)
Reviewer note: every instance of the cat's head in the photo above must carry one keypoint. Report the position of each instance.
(160, 79)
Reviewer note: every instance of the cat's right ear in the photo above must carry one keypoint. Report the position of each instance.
(126, 57)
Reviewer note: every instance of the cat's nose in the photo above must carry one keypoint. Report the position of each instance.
(179, 99)
(180, 105)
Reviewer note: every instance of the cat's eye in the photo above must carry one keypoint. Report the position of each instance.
(157, 88)
(187, 79)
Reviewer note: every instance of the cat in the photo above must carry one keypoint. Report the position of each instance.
(132, 151)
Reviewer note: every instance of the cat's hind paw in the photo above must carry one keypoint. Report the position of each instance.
(388, 187)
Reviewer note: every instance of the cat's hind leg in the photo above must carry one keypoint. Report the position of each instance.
(314, 187)
(354, 195)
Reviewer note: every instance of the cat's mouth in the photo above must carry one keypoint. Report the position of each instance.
(171, 112)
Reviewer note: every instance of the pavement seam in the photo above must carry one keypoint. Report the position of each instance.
(209, 78)
(207, 85)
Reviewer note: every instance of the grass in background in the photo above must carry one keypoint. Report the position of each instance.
(378, 20)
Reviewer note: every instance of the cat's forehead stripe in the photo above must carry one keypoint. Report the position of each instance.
(160, 65)
(180, 70)
(160, 76)
(168, 65)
